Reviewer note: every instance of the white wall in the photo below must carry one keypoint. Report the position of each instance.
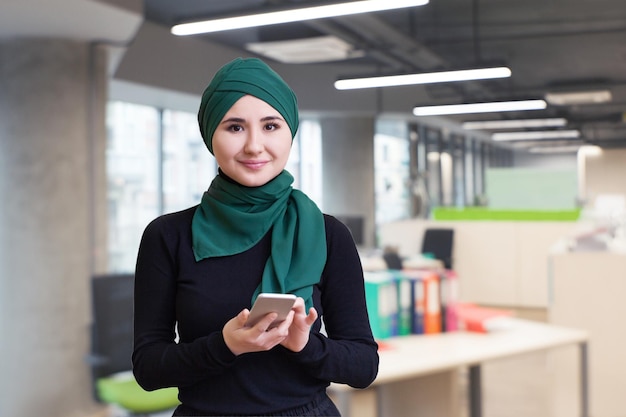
(605, 173)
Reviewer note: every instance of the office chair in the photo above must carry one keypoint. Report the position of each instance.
(392, 259)
(112, 346)
(439, 243)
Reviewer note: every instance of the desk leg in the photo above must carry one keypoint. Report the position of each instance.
(342, 402)
(475, 392)
(435, 395)
(356, 403)
(584, 380)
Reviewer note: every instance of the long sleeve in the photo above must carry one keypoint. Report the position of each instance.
(349, 354)
(158, 361)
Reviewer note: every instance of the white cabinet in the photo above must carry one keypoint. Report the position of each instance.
(588, 290)
(498, 262)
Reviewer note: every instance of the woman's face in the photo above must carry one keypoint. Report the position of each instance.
(252, 142)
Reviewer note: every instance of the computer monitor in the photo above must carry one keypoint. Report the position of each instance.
(356, 224)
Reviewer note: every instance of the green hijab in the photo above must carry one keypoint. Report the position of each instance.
(232, 218)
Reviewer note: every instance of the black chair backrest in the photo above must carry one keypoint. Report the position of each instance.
(112, 328)
(440, 243)
(393, 260)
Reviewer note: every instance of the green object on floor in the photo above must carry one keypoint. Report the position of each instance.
(124, 391)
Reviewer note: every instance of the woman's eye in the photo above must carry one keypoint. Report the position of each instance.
(271, 126)
(235, 128)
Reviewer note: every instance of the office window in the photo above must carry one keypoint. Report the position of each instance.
(391, 171)
(469, 172)
(433, 143)
(458, 169)
(132, 156)
(293, 163)
(188, 166)
(305, 161)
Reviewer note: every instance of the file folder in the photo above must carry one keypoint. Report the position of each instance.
(418, 302)
(405, 304)
(432, 303)
(381, 296)
(449, 300)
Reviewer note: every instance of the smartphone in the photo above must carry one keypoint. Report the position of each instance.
(271, 303)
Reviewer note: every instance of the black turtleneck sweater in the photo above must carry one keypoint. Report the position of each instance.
(174, 292)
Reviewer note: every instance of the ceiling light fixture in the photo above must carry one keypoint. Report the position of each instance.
(513, 124)
(536, 135)
(493, 107)
(423, 78)
(307, 50)
(578, 97)
(292, 15)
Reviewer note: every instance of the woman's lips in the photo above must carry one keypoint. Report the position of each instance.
(254, 164)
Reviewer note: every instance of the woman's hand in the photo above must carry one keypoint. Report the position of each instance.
(300, 327)
(243, 339)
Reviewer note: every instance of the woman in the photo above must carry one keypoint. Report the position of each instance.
(199, 271)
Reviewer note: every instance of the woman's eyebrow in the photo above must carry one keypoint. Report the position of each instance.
(269, 118)
(233, 120)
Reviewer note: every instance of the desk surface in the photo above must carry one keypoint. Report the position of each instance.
(412, 356)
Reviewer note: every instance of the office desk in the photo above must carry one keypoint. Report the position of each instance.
(422, 262)
(377, 263)
(418, 373)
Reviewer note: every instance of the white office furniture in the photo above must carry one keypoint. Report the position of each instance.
(418, 374)
(588, 290)
(417, 261)
(498, 262)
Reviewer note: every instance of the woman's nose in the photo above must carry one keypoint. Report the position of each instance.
(254, 142)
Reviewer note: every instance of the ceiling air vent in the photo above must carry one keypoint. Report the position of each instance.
(578, 97)
(307, 50)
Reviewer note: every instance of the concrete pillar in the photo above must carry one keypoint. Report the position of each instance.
(51, 134)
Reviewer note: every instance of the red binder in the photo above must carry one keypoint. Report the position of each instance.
(474, 318)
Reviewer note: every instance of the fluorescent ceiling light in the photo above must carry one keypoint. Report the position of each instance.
(493, 107)
(292, 15)
(578, 97)
(424, 78)
(536, 135)
(513, 124)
